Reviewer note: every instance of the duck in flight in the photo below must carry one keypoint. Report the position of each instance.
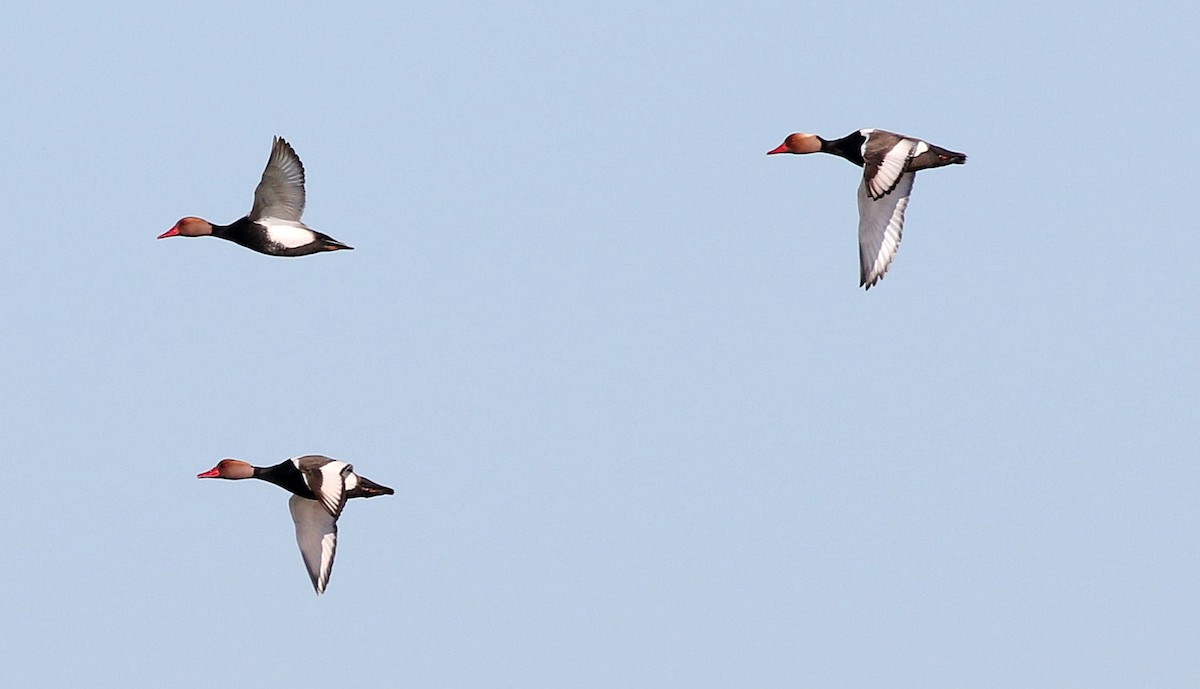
(320, 487)
(273, 226)
(890, 162)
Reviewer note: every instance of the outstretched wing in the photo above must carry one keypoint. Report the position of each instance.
(280, 194)
(880, 224)
(316, 534)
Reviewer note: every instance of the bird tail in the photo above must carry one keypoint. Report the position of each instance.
(367, 488)
(946, 157)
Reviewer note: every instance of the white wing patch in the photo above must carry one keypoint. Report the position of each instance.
(891, 168)
(880, 224)
(316, 534)
(332, 491)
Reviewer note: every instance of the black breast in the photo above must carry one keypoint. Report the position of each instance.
(249, 234)
(848, 147)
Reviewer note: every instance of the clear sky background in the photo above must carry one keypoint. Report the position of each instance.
(644, 428)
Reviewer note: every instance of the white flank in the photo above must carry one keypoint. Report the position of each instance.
(316, 534)
(287, 234)
(880, 224)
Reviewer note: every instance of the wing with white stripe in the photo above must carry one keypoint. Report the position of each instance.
(880, 224)
(316, 534)
(326, 478)
(885, 158)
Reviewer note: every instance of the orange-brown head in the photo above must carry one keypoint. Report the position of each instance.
(232, 469)
(799, 143)
(189, 227)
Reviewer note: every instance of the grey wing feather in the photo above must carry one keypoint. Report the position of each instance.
(880, 226)
(280, 194)
(316, 534)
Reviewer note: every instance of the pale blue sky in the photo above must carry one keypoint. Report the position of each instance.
(644, 428)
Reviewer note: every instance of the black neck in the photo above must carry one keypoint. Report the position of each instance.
(848, 147)
(286, 476)
(236, 229)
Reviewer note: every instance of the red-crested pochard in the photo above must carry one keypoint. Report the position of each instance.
(273, 226)
(890, 162)
(320, 487)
